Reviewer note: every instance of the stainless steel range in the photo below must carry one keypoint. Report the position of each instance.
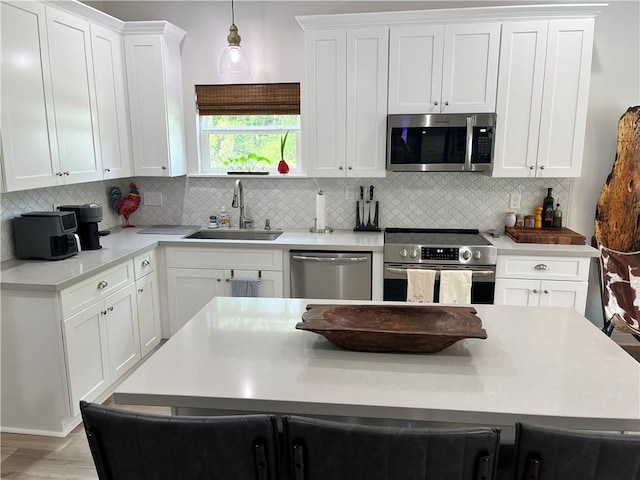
(438, 249)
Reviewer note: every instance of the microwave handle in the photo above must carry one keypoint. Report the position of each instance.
(471, 122)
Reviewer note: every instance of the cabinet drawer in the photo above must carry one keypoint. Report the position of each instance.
(144, 263)
(543, 268)
(84, 293)
(221, 257)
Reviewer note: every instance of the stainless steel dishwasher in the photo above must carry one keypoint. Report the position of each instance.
(326, 274)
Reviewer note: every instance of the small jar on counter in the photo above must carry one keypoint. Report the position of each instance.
(519, 220)
(529, 221)
(510, 219)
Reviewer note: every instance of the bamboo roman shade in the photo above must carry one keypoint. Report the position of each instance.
(249, 99)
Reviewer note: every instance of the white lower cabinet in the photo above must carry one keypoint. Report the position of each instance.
(60, 347)
(197, 275)
(542, 281)
(102, 344)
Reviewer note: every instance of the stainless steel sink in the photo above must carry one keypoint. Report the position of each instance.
(235, 235)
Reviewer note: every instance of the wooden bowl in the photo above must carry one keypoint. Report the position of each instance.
(393, 328)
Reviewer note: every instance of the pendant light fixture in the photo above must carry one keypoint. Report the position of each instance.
(234, 60)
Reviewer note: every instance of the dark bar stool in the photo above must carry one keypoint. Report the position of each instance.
(322, 450)
(136, 446)
(544, 453)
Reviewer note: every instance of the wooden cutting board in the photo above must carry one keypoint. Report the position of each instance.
(560, 236)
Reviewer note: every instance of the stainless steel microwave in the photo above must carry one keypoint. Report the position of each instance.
(440, 142)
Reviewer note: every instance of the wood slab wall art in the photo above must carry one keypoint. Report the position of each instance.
(617, 224)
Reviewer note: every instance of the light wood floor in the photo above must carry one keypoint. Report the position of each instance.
(31, 457)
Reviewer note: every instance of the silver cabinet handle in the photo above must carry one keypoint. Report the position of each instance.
(110, 309)
(541, 167)
(140, 290)
(435, 103)
(446, 103)
(59, 174)
(103, 312)
(145, 263)
(304, 258)
(535, 290)
(340, 168)
(163, 167)
(102, 285)
(545, 291)
(67, 173)
(531, 167)
(350, 168)
(107, 170)
(541, 266)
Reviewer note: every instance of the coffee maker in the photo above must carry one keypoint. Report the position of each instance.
(87, 216)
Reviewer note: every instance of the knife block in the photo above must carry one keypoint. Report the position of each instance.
(367, 216)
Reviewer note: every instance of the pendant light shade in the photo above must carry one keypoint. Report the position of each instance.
(234, 60)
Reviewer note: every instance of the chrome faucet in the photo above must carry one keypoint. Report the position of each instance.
(238, 202)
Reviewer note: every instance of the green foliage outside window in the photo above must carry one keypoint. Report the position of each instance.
(250, 142)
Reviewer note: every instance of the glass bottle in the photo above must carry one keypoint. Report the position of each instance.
(223, 218)
(547, 209)
(557, 216)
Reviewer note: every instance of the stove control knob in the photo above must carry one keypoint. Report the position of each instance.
(477, 254)
(466, 254)
(403, 252)
(413, 253)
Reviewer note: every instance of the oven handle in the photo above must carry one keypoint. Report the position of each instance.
(473, 272)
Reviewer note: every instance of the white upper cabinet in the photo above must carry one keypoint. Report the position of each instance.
(543, 90)
(345, 102)
(154, 78)
(443, 68)
(113, 115)
(29, 145)
(74, 99)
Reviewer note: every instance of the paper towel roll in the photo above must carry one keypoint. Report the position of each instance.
(320, 212)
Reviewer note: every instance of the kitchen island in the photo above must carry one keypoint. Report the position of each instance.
(549, 366)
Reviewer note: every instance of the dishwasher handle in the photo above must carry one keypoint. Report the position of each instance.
(306, 258)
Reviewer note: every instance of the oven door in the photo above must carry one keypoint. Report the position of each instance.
(482, 285)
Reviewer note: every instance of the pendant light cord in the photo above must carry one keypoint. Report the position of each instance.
(233, 16)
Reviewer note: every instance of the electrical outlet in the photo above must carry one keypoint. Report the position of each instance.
(152, 198)
(349, 192)
(514, 201)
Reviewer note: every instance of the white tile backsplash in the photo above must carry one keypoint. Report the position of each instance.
(436, 200)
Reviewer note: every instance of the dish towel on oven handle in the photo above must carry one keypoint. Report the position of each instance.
(244, 288)
(420, 285)
(455, 286)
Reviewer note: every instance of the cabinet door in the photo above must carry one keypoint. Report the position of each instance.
(517, 292)
(86, 350)
(415, 69)
(113, 118)
(519, 98)
(29, 144)
(154, 78)
(564, 294)
(189, 290)
(367, 67)
(148, 301)
(470, 68)
(74, 100)
(566, 95)
(123, 339)
(324, 103)
(270, 284)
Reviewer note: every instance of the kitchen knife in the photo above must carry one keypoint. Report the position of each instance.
(369, 206)
(361, 205)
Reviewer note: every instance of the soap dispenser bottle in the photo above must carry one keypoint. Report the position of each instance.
(223, 218)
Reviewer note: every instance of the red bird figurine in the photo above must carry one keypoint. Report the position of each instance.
(129, 204)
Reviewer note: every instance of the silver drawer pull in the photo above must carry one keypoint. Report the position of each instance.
(545, 291)
(103, 312)
(541, 266)
(102, 285)
(305, 258)
(140, 290)
(145, 263)
(535, 290)
(110, 309)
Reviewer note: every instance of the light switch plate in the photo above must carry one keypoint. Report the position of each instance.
(152, 198)
(349, 192)
(514, 201)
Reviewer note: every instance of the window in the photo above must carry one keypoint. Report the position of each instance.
(242, 127)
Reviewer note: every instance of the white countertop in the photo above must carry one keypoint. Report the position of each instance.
(541, 365)
(124, 244)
